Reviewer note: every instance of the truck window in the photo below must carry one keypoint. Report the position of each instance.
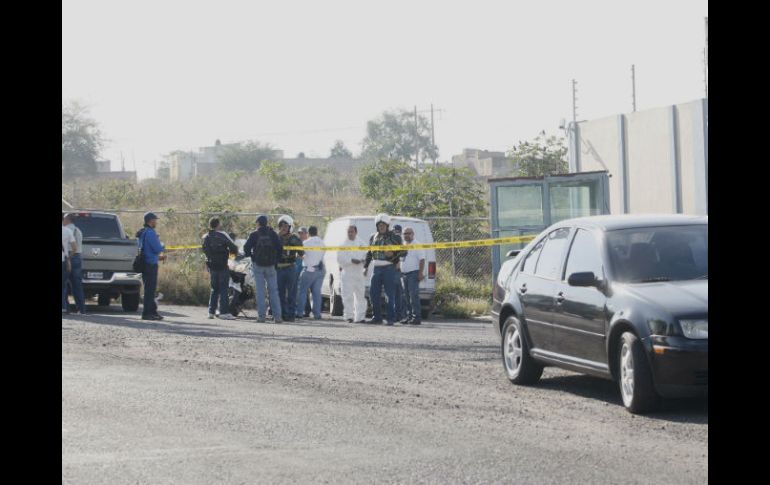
(100, 227)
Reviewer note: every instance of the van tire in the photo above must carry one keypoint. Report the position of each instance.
(129, 301)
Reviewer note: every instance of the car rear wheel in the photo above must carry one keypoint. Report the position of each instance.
(129, 301)
(635, 377)
(336, 303)
(519, 366)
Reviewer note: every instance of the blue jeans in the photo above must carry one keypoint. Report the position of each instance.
(312, 281)
(220, 282)
(150, 280)
(383, 276)
(287, 290)
(400, 307)
(76, 282)
(412, 305)
(64, 277)
(267, 274)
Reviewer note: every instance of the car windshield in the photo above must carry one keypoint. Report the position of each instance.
(98, 227)
(667, 253)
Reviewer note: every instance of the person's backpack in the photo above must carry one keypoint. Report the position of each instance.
(215, 245)
(139, 262)
(265, 253)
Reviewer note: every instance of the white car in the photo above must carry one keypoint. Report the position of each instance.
(337, 233)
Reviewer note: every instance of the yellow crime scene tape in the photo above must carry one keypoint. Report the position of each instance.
(434, 245)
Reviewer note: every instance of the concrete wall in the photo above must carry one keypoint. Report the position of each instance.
(657, 158)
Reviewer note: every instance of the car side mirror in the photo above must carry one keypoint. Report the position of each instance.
(512, 253)
(587, 278)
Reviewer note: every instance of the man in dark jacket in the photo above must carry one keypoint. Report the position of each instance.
(286, 269)
(148, 240)
(384, 263)
(265, 248)
(217, 246)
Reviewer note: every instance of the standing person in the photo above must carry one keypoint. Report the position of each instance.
(384, 263)
(264, 247)
(217, 245)
(352, 281)
(287, 267)
(413, 271)
(303, 235)
(76, 264)
(68, 247)
(313, 273)
(400, 310)
(148, 240)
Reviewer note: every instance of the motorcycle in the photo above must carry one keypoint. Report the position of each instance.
(241, 288)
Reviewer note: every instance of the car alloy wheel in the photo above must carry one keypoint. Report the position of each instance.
(626, 374)
(512, 351)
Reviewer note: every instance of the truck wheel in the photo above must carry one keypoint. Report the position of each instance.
(129, 301)
(104, 299)
(336, 303)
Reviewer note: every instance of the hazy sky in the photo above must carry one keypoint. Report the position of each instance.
(164, 75)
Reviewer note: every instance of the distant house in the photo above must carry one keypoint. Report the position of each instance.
(484, 163)
(341, 164)
(103, 172)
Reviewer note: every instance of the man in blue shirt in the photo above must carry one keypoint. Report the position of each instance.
(148, 240)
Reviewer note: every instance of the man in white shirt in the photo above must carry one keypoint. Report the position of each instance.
(352, 281)
(76, 263)
(412, 272)
(68, 247)
(312, 275)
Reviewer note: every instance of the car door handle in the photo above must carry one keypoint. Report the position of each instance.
(560, 297)
(523, 288)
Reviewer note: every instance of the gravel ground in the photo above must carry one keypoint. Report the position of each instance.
(191, 400)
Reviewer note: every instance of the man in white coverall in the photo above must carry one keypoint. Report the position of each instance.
(352, 280)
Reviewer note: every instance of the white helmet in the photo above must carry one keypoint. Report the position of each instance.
(381, 218)
(287, 219)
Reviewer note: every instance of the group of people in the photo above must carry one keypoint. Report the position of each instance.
(289, 274)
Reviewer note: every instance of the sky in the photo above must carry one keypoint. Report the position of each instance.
(170, 75)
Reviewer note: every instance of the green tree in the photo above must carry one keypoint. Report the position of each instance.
(396, 136)
(339, 150)
(380, 178)
(81, 140)
(247, 156)
(164, 171)
(275, 173)
(539, 157)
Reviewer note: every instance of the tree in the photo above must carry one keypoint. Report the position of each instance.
(539, 157)
(275, 173)
(395, 136)
(81, 140)
(246, 156)
(164, 171)
(339, 150)
(380, 178)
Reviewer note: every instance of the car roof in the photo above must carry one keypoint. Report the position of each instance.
(401, 218)
(628, 221)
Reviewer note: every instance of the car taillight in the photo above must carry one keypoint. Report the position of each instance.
(432, 270)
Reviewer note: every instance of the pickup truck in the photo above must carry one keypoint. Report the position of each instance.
(108, 257)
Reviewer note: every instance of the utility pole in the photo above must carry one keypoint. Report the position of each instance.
(574, 101)
(432, 132)
(633, 87)
(416, 144)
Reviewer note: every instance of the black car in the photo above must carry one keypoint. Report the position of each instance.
(619, 297)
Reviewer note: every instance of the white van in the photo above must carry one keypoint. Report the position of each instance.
(337, 233)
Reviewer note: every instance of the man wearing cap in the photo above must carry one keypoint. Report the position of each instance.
(413, 270)
(286, 268)
(149, 242)
(384, 263)
(76, 274)
(303, 236)
(313, 273)
(400, 307)
(264, 248)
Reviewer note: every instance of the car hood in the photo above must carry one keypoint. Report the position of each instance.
(677, 297)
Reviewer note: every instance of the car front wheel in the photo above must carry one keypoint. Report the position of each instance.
(520, 367)
(635, 377)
